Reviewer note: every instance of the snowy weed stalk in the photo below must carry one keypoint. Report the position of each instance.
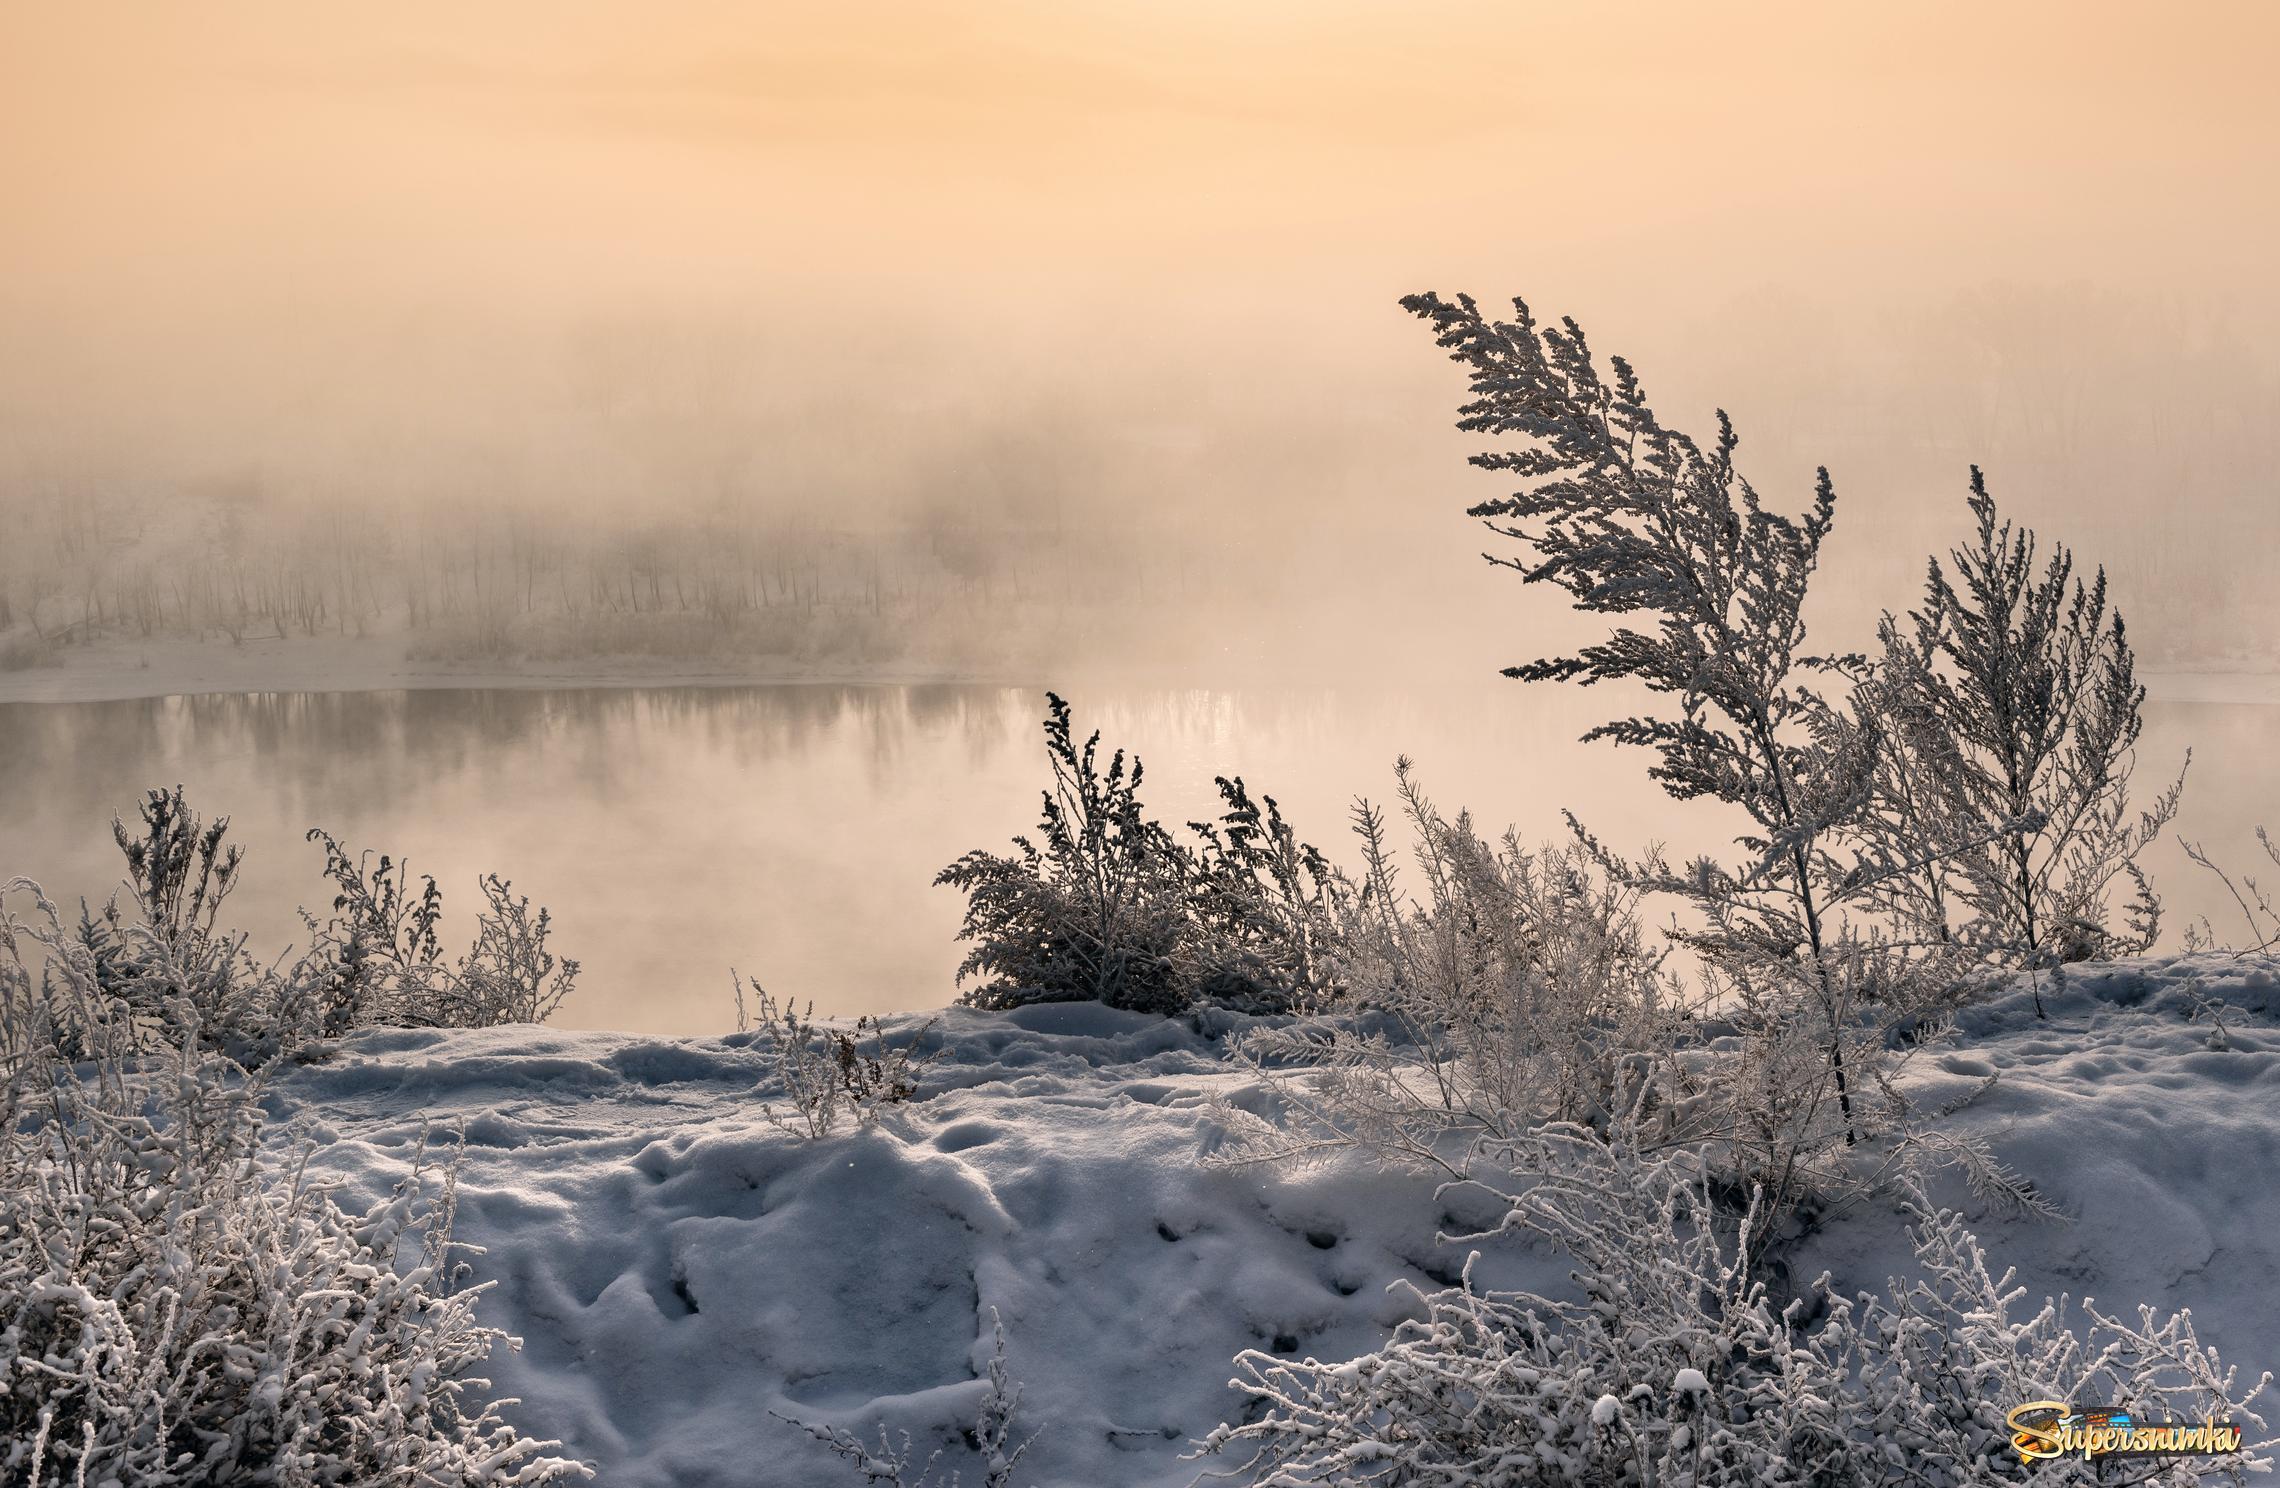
(891, 1462)
(826, 1073)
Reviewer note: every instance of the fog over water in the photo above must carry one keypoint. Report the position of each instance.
(1105, 296)
(1051, 344)
(792, 831)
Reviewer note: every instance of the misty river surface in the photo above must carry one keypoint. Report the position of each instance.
(792, 832)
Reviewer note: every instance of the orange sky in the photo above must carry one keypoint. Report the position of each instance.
(583, 149)
(222, 219)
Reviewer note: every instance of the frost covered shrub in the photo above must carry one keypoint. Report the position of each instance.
(1961, 802)
(1094, 909)
(1642, 1376)
(1264, 911)
(204, 992)
(166, 974)
(1512, 988)
(1636, 520)
(2029, 681)
(1530, 967)
(386, 959)
(1673, 1367)
(176, 1310)
(178, 867)
(157, 971)
(161, 968)
(1106, 905)
(1763, 1096)
(509, 975)
(1938, 1360)
(2250, 897)
(827, 1073)
(381, 942)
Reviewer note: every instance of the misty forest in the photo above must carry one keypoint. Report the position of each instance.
(935, 878)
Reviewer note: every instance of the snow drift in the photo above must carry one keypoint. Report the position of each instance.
(679, 1268)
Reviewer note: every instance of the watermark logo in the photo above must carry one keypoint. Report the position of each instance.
(2043, 1429)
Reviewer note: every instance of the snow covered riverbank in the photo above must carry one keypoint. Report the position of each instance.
(679, 1268)
(114, 670)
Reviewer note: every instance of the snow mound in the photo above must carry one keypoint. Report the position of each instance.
(679, 1268)
(2155, 1135)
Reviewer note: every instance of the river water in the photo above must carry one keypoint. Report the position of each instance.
(793, 831)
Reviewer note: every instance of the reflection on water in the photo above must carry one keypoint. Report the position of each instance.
(793, 831)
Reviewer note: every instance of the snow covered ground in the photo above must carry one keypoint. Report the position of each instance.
(679, 1268)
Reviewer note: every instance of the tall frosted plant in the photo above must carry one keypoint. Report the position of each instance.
(1636, 520)
(2033, 680)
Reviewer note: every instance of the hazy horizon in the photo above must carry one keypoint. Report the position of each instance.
(1133, 271)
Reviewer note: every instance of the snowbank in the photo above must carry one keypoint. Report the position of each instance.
(2158, 1139)
(679, 1268)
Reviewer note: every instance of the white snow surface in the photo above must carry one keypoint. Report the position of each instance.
(680, 1269)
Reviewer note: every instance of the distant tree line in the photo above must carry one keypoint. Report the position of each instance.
(497, 583)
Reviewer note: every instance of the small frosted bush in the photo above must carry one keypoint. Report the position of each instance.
(161, 970)
(1508, 989)
(2033, 685)
(176, 1308)
(1673, 1367)
(175, 1311)
(1263, 911)
(1093, 908)
(1105, 904)
(385, 958)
